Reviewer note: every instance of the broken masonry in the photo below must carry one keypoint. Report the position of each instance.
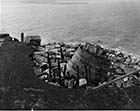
(71, 65)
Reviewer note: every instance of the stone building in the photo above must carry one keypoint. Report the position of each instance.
(4, 38)
(33, 40)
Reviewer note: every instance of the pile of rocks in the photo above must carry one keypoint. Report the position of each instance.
(50, 64)
(120, 63)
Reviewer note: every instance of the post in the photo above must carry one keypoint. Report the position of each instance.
(54, 75)
(49, 62)
(77, 67)
(89, 75)
(59, 71)
(86, 71)
(22, 37)
(61, 52)
(65, 68)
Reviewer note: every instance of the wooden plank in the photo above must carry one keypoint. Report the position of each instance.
(61, 52)
(49, 62)
(77, 67)
(65, 68)
(59, 71)
(86, 72)
(89, 74)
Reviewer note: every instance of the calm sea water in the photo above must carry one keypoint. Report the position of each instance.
(116, 24)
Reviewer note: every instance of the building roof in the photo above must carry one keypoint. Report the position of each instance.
(4, 35)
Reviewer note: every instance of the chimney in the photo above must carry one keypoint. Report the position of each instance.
(22, 37)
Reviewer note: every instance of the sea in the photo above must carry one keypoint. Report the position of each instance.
(112, 23)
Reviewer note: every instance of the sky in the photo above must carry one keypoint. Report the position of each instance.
(71, 1)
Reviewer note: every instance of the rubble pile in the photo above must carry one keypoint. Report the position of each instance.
(119, 63)
(52, 61)
(20, 89)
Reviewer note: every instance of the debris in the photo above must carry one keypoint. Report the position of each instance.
(93, 62)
